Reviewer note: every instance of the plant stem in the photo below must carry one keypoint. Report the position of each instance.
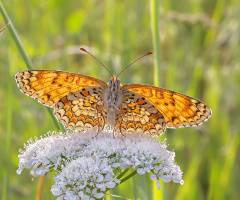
(156, 42)
(129, 176)
(119, 176)
(122, 174)
(25, 56)
(157, 71)
(16, 37)
(40, 186)
(124, 179)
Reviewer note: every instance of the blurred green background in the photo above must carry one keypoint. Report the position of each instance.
(200, 57)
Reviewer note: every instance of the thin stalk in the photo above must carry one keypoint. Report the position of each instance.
(154, 12)
(124, 179)
(157, 71)
(25, 56)
(16, 38)
(9, 121)
(129, 176)
(40, 186)
(5, 184)
(122, 173)
(119, 176)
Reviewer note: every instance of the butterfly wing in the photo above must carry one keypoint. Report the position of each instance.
(49, 86)
(178, 110)
(139, 115)
(83, 109)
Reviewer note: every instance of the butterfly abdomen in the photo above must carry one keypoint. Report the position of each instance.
(112, 104)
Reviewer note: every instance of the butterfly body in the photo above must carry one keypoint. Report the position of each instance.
(113, 100)
(83, 102)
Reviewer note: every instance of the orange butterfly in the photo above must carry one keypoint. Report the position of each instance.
(83, 102)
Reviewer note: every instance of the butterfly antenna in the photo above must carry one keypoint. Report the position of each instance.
(135, 61)
(82, 49)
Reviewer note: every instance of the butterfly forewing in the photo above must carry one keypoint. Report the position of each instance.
(82, 109)
(177, 109)
(48, 86)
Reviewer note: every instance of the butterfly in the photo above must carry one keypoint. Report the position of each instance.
(87, 103)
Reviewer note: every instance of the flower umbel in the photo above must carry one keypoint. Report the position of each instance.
(87, 167)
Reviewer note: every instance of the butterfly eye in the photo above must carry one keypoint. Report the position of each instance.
(110, 82)
(118, 82)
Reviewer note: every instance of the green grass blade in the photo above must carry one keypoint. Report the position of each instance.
(16, 38)
(154, 12)
(5, 186)
(25, 56)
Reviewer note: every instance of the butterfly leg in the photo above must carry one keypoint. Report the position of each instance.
(113, 133)
(123, 134)
(99, 129)
(95, 135)
(117, 108)
(104, 118)
(121, 130)
(120, 119)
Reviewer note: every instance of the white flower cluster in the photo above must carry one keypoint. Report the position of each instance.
(87, 167)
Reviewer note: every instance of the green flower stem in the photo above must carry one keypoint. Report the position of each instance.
(122, 173)
(16, 38)
(157, 70)
(154, 10)
(120, 176)
(59, 126)
(129, 176)
(24, 55)
(124, 179)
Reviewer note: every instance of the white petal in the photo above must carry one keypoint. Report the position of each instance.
(100, 178)
(60, 198)
(85, 197)
(98, 195)
(176, 179)
(110, 184)
(81, 194)
(94, 191)
(153, 177)
(74, 197)
(158, 185)
(56, 190)
(141, 171)
(117, 180)
(115, 165)
(166, 178)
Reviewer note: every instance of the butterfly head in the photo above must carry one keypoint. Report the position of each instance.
(114, 84)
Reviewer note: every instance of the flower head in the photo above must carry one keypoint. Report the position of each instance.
(86, 166)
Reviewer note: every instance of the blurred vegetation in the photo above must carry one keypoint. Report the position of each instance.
(200, 56)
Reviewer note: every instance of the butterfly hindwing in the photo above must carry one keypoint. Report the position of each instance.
(49, 86)
(138, 115)
(82, 109)
(179, 110)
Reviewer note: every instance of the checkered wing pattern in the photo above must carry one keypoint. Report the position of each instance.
(178, 110)
(49, 86)
(139, 115)
(82, 109)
